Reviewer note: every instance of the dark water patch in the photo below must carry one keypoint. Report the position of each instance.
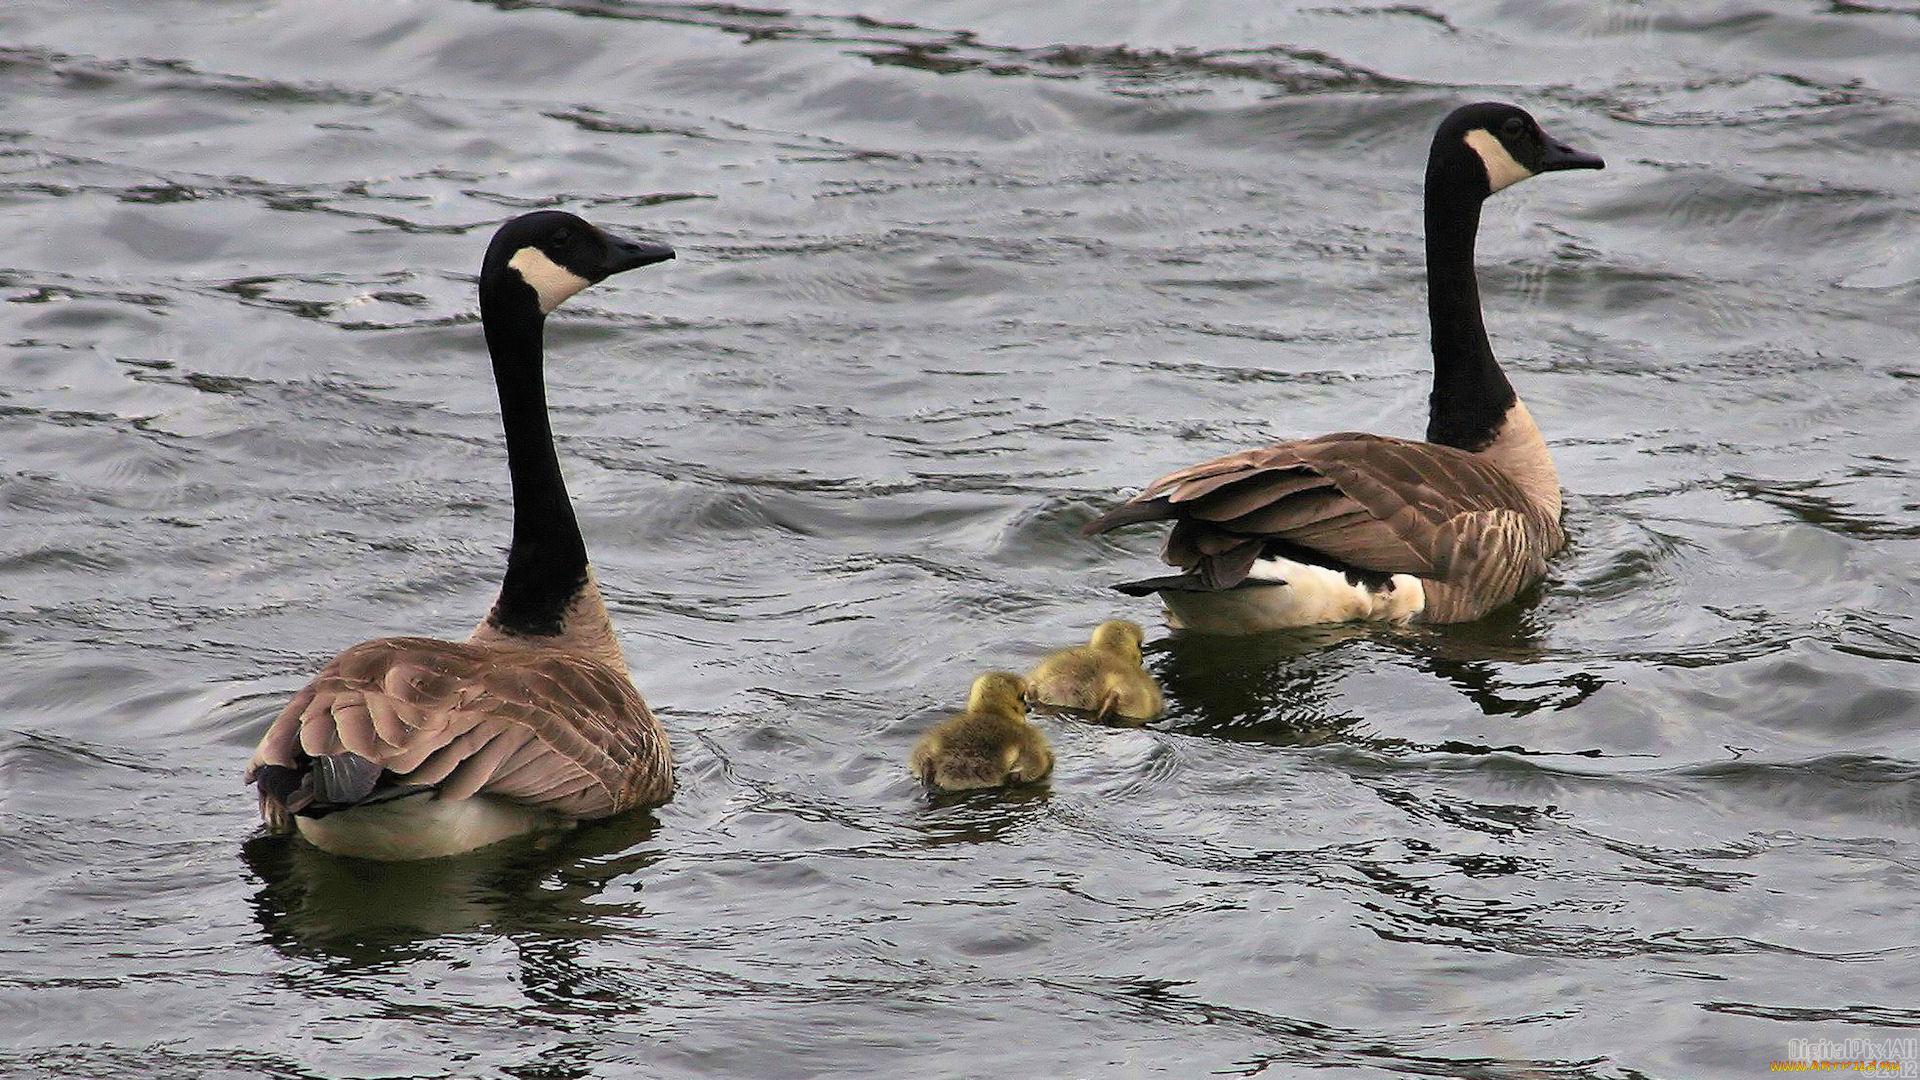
(1164, 1003)
(1869, 1016)
(364, 300)
(148, 76)
(1279, 335)
(49, 288)
(1611, 556)
(55, 559)
(105, 1059)
(1281, 695)
(1799, 499)
(1153, 74)
(82, 685)
(1873, 788)
(1121, 69)
(238, 720)
(1749, 793)
(596, 119)
(1778, 212)
(1875, 637)
(1740, 100)
(1044, 534)
(45, 757)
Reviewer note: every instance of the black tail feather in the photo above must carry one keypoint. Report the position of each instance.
(277, 783)
(1170, 583)
(344, 779)
(320, 786)
(1210, 573)
(1192, 581)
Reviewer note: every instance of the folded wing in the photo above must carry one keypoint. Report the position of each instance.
(540, 727)
(1355, 502)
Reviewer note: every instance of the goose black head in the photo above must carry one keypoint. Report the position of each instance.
(556, 254)
(1506, 143)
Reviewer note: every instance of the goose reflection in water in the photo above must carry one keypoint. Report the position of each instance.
(1283, 687)
(355, 909)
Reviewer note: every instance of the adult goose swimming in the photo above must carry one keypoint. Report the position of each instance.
(1352, 526)
(411, 747)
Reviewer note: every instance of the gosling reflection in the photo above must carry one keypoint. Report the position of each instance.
(989, 745)
(1106, 677)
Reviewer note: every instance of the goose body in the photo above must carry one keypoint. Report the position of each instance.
(989, 745)
(412, 747)
(1104, 677)
(1353, 526)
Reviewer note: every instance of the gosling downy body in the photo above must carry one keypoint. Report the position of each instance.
(412, 747)
(1105, 677)
(989, 745)
(1368, 527)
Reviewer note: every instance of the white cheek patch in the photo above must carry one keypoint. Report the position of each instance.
(1502, 170)
(551, 281)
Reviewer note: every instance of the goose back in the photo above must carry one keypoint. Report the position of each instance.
(1364, 504)
(541, 727)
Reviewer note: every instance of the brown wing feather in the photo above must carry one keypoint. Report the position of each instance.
(1282, 514)
(539, 726)
(1371, 502)
(1262, 488)
(1233, 466)
(1498, 556)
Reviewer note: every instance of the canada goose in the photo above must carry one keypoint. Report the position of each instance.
(1354, 526)
(411, 748)
(989, 745)
(1104, 677)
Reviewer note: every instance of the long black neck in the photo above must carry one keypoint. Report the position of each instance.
(547, 563)
(1471, 394)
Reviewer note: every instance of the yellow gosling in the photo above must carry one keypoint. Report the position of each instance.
(1105, 677)
(989, 745)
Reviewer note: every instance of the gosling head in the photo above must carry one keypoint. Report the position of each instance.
(999, 693)
(549, 255)
(1502, 146)
(1120, 637)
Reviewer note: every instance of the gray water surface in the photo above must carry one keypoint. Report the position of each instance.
(953, 277)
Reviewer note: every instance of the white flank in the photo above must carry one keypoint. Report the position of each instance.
(1311, 596)
(553, 282)
(423, 827)
(1502, 170)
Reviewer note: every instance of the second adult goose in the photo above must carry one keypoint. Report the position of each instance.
(1353, 526)
(410, 747)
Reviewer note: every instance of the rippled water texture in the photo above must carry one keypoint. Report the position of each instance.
(952, 276)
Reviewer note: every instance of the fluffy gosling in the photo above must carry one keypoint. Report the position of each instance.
(1105, 677)
(989, 745)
